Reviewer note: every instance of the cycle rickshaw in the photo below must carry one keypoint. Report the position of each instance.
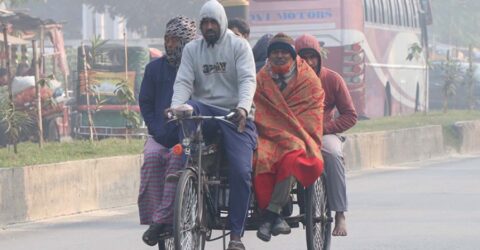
(201, 202)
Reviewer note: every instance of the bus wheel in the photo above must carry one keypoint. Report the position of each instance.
(166, 244)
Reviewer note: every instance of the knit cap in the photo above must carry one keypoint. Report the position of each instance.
(185, 29)
(282, 41)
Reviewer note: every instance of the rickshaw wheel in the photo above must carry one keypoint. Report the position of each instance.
(167, 244)
(317, 216)
(186, 231)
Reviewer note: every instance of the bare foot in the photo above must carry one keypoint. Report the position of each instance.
(340, 225)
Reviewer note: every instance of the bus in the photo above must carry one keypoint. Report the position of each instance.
(367, 42)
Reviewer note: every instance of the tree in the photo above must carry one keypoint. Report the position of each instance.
(125, 94)
(148, 16)
(96, 44)
(15, 121)
(456, 21)
(15, 2)
(470, 79)
(452, 74)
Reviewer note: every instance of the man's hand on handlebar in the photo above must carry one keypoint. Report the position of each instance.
(168, 113)
(239, 118)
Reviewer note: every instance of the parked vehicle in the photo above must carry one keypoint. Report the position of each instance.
(29, 37)
(55, 109)
(367, 43)
(106, 68)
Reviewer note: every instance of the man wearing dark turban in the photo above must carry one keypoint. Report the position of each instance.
(156, 197)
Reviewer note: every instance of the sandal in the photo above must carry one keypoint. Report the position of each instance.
(235, 245)
(166, 232)
(151, 236)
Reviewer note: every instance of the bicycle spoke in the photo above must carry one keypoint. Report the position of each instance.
(320, 220)
(189, 213)
(187, 229)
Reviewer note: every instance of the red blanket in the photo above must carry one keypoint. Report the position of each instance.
(289, 124)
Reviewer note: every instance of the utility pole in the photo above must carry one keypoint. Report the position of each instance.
(87, 93)
(425, 19)
(38, 94)
(127, 106)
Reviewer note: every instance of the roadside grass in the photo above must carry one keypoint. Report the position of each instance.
(30, 154)
(446, 120)
(415, 120)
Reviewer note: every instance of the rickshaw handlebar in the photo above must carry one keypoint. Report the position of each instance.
(225, 118)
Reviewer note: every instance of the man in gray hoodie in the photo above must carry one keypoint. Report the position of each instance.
(216, 76)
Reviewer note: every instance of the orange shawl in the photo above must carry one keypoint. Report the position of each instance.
(290, 125)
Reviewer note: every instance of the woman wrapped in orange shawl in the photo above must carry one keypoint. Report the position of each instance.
(289, 124)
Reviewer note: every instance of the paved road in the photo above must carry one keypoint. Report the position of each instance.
(433, 205)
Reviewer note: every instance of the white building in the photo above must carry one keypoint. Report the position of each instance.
(103, 25)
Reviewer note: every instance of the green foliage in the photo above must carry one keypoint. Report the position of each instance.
(133, 118)
(96, 48)
(16, 122)
(100, 99)
(31, 154)
(452, 74)
(470, 79)
(125, 94)
(414, 52)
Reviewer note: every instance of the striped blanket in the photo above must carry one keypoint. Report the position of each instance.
(156, 198)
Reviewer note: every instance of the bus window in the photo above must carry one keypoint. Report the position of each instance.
(414, 9)
(400, 14)
(388, 12)
(381, 10)
(366, 10)
(403, 14)
(407, 13)
(376, 16)
(395, 14)
(370, 11)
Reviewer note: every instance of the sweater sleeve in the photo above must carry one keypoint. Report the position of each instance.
(147, 99)
(344, 105)
(246, 73)
(183, 86)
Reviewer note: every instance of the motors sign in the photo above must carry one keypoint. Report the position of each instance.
(291, 16)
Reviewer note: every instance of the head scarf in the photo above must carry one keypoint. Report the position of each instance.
(260, 51)
(185, 29)
(306, 43)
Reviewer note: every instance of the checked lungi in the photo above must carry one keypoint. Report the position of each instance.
(156, 198)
